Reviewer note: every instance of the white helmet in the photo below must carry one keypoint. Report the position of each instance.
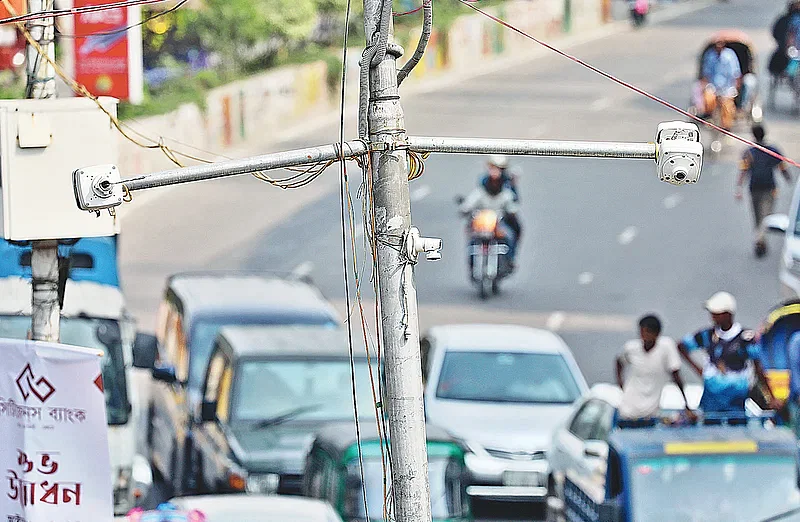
(498, 160)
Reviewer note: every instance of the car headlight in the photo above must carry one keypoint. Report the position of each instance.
(263, 482)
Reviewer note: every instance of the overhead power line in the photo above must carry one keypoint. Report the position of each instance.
(56, 13)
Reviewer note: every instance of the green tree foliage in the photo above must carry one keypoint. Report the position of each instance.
(229, 27)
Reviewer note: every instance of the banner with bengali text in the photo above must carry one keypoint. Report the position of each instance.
(54, 455)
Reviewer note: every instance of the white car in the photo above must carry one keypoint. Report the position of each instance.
(580, 442)
(258, 508)
(789, 226)
(501, 390)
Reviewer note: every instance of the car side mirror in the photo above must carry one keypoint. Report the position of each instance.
(778, 223)
(208, 411)
(164, 374)
(145, 349)
(595, 449)
(108, 333)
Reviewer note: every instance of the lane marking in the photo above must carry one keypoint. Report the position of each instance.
(555, 321)
(304, 269)
(672, 201)
(626, 236)
(420, 193)
(600, 104)
(585, 278)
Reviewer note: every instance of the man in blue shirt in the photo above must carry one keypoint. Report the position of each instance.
(760, 167)
(722, 75)
(733, 359)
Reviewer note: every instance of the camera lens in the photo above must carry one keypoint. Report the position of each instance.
(680, 175)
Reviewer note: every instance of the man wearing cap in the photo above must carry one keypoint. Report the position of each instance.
(733, 354)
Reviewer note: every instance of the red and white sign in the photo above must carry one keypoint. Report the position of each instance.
(108, 56)
(54, 452)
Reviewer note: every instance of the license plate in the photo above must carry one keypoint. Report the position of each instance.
(522, 478)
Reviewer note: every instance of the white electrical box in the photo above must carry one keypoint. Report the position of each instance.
(41, 143)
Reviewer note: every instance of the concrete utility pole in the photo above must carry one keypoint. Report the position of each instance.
(398, 296)
(41, 83)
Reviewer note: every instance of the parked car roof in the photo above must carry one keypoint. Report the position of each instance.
(671, 398)
(210, 293)
(498, 337)
(258, 508)
(300, 340)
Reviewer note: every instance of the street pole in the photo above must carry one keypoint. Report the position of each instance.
(41, 83)
(398, 296)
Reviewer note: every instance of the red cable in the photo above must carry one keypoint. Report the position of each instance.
(75, 10)
(632, 87)
(418, 9)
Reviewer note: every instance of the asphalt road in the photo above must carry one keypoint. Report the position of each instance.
(604, 240)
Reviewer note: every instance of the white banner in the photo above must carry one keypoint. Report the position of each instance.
(54, 441)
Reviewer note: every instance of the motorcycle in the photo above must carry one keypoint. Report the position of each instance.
(489, 259)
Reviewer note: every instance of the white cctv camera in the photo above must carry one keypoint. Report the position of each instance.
(679, 153)
(97, 187)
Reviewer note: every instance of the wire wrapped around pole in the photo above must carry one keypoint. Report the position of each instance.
(424, 38)
(374, 54)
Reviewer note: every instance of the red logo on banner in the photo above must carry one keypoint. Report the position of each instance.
(99, 382)
(101, 50)
(29, 385)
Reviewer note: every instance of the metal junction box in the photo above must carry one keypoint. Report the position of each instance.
(41, 143)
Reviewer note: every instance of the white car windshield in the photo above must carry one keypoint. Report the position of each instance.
(315, 389)
(507, 377)
(714, 488)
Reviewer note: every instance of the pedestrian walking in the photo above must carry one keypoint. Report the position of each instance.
(645, 366)
(759, 167)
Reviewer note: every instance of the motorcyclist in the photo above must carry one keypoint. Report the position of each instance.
(500, 162)
(494, 194)
(721, 80)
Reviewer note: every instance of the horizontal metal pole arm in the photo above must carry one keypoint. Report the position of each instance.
(577, 149)
(354, 148)
(237, 167)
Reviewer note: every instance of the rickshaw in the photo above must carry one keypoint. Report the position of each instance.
(774, 334)
(748, 104)
(332, 473)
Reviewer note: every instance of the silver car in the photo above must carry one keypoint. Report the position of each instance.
(501, 390)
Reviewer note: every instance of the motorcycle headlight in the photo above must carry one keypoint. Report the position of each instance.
(263, 483)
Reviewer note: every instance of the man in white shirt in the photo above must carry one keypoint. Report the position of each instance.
(648, 363)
